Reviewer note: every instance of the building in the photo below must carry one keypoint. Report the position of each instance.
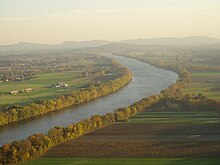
(14, 92)
(28, 90)
(61, 85)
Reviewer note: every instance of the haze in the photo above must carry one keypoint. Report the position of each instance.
(54, 21)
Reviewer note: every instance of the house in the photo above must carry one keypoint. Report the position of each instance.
(61, 85)
(85, 74)
(28, 90)
(14, 92)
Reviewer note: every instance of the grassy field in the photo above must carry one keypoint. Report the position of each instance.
(207, 83)
(176, 117)
(123, 161)
(175, 121)
(178, 114)
(41, 86)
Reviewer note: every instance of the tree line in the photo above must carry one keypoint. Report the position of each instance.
(22, 112)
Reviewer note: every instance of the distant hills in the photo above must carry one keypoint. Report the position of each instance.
(25, 46)
(198, 40)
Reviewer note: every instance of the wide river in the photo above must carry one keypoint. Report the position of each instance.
(147, 80)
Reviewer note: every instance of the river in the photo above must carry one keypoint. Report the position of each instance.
(147, 80)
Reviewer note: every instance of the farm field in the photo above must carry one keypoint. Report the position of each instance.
(207, 83)
(147, 139)
(123, 161)
(41, 86)
(176, 118)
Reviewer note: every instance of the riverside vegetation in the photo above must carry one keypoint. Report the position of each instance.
(20, 112)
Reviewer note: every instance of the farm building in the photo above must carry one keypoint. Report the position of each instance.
(61, 85)
(14, 92)
(28, 90)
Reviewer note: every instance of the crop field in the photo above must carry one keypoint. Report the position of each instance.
(148, 139)
(176, 117)
(41, 86)
(123, 161)
(207, 83)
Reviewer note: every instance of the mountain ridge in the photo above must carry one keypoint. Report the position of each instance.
(191, 40)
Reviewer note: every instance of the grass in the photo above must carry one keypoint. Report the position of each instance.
(124, 161)
(176, 114)
(195, 117)
(205, 82)
(41, 87)
(175, 121)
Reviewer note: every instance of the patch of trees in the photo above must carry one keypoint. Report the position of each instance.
(20, 112)
(202, 68)
(188, 102)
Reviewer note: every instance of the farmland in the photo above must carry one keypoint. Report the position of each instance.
(176, 118)
(123, 161)
(41, 87)
(140, 137)
(206, 82)
(75, 71)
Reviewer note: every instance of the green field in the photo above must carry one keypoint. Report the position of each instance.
(124, 161)
(175, 121)
(176, 114)
(176, 117)
(41, 86)
(207, 83)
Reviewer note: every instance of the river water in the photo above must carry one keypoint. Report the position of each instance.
(147, 80)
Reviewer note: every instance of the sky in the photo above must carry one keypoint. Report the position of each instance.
(55, 21)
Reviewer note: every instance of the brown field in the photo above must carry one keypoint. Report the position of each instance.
(144, 140)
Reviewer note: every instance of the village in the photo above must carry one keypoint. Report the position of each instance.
(28, 90)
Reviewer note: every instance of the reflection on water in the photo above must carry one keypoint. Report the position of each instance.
(147, 80)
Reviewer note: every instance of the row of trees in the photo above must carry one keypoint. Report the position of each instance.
(189, 103)
(20, 112)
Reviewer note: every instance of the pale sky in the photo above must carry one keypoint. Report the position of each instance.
(55, 21)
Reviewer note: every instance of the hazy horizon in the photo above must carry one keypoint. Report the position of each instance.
(55, 21)
(113, 41)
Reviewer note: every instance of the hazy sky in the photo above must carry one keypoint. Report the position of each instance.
(54, 21)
